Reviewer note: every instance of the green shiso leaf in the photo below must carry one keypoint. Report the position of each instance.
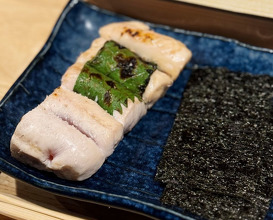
(105, 91)
(124, 66)
(114, 75)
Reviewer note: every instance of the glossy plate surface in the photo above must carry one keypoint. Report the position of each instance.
(126, 179)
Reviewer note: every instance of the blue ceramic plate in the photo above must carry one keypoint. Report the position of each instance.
(126, 179)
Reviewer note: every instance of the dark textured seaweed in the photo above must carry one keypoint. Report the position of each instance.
(218, 159)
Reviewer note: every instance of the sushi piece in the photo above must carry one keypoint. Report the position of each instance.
(169, 54)
(46, 142)
(101, 97)
(87, 116)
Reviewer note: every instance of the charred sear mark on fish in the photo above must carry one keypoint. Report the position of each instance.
(107, 98)
(111, 84)
(131, 32)
(126, 65)
(135, 33)
(138, 33)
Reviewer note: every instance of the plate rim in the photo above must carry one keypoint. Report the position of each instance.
(5, 166)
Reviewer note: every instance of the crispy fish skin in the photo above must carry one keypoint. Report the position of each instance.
(87, 116)
(46, 142)
(169, 54)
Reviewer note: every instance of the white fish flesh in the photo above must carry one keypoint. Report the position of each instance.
(87, 116)
(46, 142)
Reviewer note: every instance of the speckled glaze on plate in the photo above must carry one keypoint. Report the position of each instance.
(126, 180)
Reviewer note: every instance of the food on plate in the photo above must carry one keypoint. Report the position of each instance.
(87, 116)
(217, 162)
(157, 85)
(124, 67)
(170, 55)
(46, 142)
(72, 73)
(102, 96)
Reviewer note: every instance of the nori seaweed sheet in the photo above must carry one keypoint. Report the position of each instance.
(218, 160)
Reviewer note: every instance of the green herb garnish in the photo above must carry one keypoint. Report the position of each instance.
(105, 91)
(124, 66)
(114, 75)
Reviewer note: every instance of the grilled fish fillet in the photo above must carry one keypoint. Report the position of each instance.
(169, 54)
(87, 116)
(46, 142)
(71, 135)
